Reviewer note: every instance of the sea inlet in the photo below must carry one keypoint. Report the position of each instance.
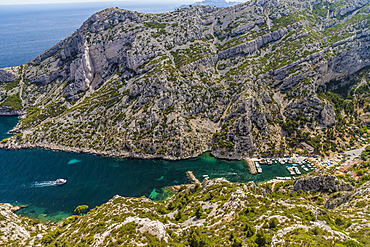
(27, 177)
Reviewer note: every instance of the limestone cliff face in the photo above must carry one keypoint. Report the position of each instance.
(348, 199)
(198, 79)
(321, 183)
(15, 230)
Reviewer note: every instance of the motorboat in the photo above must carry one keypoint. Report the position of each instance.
(60, 181)
(290, 169)
(304, 168)
(297, 171)
(259, 168)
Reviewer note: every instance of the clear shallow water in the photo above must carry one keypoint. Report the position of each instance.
(27, 177)
(28, 30)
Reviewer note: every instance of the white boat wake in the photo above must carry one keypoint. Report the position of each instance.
(43, 184)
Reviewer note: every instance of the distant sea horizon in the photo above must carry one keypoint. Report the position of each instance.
(28, 30)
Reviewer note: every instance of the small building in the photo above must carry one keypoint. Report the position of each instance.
(344, 168)
(306, 147)
(353, 175)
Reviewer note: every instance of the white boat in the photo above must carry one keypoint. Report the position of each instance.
(259, 169)
(290, 169)
(304, 168)
(60, 181)
(297, 170)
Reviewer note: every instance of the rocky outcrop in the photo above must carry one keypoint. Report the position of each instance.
(252, 46)
(321, 183)
(352, 6)
(7, 75)
(12, 227)
(345, 200)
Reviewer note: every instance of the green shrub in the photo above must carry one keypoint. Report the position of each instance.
(249, 229)
(14, 102)
(10, 85)
(198, 239)
(338, 221)
(47, 239)
(155, 24)
(273, 223)
(351, 243)
(81, 209)
(261, 239)
(199, 212)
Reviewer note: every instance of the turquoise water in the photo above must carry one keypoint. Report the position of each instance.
(27, 177)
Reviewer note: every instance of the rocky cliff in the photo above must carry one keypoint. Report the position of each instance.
(321, 183)
(231, 80)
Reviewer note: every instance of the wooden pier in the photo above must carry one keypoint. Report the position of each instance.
(192, 178)
(251, 166)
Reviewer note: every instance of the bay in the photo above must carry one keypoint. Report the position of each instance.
(27, 177)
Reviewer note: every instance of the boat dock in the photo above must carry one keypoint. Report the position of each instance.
(251, 166)
(192, 178)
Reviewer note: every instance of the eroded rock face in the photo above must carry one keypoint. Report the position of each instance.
(346, 199)
(321, 183)
(6, 75)
(11, 226)
(352, 6)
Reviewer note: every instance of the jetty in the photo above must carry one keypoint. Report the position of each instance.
(192, 178)
(251, 166)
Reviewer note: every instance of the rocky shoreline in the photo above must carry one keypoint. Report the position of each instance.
(12, 113)
(113, 154)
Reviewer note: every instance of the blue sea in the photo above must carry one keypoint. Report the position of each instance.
(28, 30)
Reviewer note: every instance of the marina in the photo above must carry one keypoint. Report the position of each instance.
(295, 165)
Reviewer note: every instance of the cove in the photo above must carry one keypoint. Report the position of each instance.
(26, 177)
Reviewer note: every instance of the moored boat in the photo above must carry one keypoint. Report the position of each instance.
(259, 168)
(304, 168)
(297, 171)
(290, 169)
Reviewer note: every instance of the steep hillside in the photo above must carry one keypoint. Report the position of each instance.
(245, 80)
(214, 213)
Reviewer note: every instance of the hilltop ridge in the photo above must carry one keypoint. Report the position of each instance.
(250, 79)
